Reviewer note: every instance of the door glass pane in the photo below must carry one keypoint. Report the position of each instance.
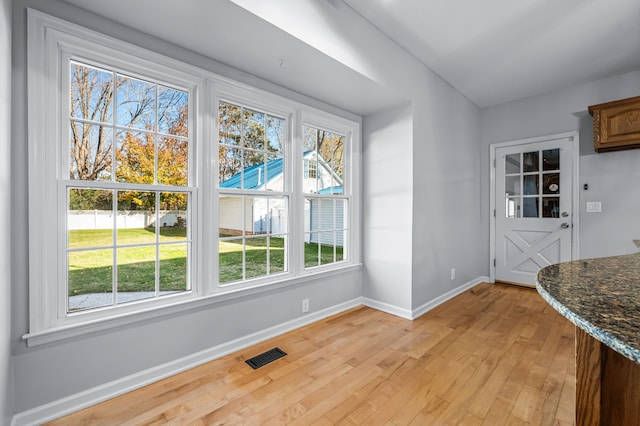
(551, 183)
(551, 207)
(512, 207)
(530, 207)
(551, 159)
(530, 160)
(512, 185)
(530, 183)
(512, 164)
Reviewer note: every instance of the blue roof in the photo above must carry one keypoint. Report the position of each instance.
(254, 176)
(332, 190)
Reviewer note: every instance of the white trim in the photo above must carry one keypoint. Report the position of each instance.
(73, 403)
(423, 309)
(574, 136)
(388, 308)
(151, 312)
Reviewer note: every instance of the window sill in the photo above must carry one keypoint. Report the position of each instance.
(94, 326)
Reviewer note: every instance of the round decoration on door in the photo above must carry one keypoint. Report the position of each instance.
(553, 187)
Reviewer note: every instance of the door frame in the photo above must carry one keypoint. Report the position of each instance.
(575, 191)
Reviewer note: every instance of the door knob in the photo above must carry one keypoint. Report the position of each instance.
(565, 214)
(564, 225)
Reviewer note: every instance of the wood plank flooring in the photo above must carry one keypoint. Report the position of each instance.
(494, 355)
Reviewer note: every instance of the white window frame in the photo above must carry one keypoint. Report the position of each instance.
(272, 105)
(53, 41)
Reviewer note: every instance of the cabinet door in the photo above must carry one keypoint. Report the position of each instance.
(616, 125)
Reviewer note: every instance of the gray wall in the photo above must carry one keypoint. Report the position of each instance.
(387, 206)
(6, 378)
(47, 373)
(446, 192)
(613, 178)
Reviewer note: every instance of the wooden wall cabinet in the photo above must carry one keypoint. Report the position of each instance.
(616, 125)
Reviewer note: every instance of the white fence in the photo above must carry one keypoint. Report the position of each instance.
(103, 219)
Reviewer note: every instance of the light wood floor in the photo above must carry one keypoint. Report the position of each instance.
(494, 355)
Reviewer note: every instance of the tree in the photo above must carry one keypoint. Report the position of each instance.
(146, 109)
(246, 136)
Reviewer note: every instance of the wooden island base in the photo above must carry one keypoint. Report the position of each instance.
(607, 385)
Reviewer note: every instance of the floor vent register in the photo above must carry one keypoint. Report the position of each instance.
(265, 358)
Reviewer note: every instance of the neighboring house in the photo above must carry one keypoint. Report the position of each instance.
(319, 178)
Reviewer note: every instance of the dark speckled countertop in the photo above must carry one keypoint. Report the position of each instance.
(601, 296)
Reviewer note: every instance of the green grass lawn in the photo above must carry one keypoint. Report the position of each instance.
(90, 271)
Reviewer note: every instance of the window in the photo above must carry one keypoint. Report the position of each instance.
(325, 202)
(127, 192)
(253, 207)
(156, 185)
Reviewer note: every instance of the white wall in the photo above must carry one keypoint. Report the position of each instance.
(613, 178)
(6, 377)
(47, 373)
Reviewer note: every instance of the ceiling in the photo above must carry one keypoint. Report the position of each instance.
(492, 51)
(495, 51)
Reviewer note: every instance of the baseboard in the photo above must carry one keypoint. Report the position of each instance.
(385, 307)
(421, 310)
(89, 397)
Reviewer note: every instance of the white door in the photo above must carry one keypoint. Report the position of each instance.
(533, 208)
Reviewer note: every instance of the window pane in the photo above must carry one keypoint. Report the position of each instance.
(327, 241)
(230, 260)
(274, 173)
(275, 134)
(173, 268)
(90, 217)
(309, 139)
(253, 174)
(551, 207)
(512, 185)
(324, 231)
(172, 218)
(551, 183)
(173, 111)
(230, 167)
(90, 155)
(173, 161)
(253, 129)
(256, 257)
(530, 207)
(323, 161)
(530, 183)
(136, 273)
(91, 92)
(551, 159)
(90, 279)
(530, 160)
(512, 164)
(136, 222)
(135, 158)
(229, 121)
(136, 103)
(233, 216)
(512, 207)
(277, 258)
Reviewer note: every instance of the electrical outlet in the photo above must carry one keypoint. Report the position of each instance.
(305, 305)
(453, 273)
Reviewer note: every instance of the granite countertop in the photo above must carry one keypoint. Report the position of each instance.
(601, 296)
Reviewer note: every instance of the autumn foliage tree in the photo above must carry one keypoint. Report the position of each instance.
(154, 149)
